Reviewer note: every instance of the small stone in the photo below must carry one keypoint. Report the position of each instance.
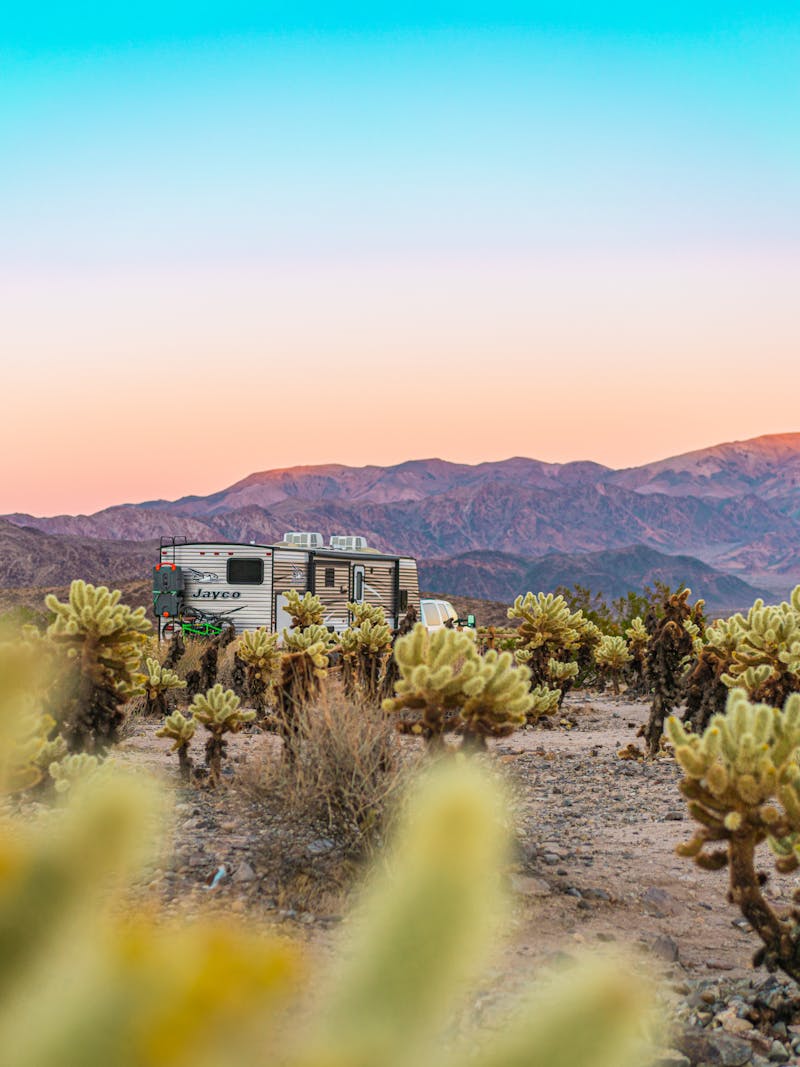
(669, 1057)
(320, 846)
(778, 1053)
(665, 948)
(527, 886)
(244, 873)
(658, 903)
(714, 1048)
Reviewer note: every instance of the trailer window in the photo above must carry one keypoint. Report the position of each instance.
(330, 576)
(245, 571)
(358, 585)
(403, 604)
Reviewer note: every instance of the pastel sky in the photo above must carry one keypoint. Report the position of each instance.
(242, 236)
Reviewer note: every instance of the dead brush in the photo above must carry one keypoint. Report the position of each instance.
(338, 787)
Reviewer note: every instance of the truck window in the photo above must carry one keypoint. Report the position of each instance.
(243, 571)
(431, 613)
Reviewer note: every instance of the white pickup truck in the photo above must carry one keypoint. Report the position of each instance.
(438, 613)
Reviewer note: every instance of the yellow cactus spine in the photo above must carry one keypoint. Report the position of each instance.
(103, 642)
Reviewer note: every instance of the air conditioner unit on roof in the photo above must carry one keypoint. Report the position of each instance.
(348, 543)
(304, 539)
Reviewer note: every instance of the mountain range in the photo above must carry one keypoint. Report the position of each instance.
(732, 508)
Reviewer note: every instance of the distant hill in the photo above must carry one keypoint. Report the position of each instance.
(493, 576)
(32, 558)
(735, 507)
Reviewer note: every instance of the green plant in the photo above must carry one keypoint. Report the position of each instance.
(219, 712)
(102, 640)
(180, 730)
(742, 784)
(158, 682)
(612, 657)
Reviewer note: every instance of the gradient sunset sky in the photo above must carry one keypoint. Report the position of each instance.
(242, 236)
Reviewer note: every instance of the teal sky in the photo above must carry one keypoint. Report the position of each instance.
(638, 164)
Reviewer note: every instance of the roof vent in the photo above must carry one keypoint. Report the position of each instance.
(304, 539)
(348, 543)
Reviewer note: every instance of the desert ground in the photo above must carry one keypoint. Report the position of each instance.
(594, 865)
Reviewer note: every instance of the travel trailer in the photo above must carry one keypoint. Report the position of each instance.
(201, 587)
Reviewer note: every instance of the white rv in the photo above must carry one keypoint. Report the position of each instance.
(200, 587)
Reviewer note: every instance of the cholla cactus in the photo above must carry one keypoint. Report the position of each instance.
(612, 657)
(766, 657)
(544, 702)
(435, 670)
(365, 652)
(305, 611)
(259, 650)
(672, 637)
(365, 612)
(74, 770)
(498, 699)
(552, 641)
(445, 683)
(742, 783)
(180, 730)
(103, 640)
(561, 676)
(638, 637)
(159, 680)
(218, 710)
(706, 689)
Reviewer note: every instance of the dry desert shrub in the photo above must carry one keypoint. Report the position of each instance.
(342, 779)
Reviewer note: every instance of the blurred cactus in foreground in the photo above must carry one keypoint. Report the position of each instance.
(103, 641)
(742, 784)
(86, 981)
